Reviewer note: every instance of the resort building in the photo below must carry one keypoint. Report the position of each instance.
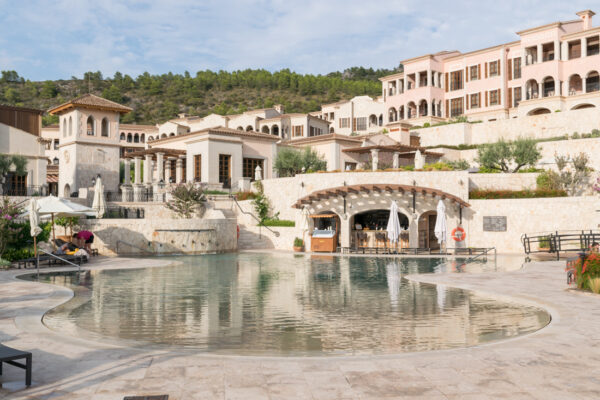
(20, 135)
(357, 116)
(550, 68)
(133, 137)
(89, 143)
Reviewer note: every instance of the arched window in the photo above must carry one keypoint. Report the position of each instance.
(136, 138)
(129, 138)
(70, 126)
(122, 137)
(592, 82)
(150, 138)
(90, 126)
(64, 127)
(105, 128)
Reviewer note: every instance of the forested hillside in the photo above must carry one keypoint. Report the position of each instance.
(156, 98)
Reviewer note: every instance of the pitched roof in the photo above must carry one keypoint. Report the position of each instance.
(134, 127)
(321, 138)
(90, 101)
(219, 130)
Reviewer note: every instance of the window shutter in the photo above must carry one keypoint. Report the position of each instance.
(509, 69)
(446, 86)
(486, 98)
(447, 108)
(466, 74)
(509, 105)
(499, 66)
(486, 68)
(478, 71)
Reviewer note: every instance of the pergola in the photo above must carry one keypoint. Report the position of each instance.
(343, 191)
(398, 151)
(158, 155)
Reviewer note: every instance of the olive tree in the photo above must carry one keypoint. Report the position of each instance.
(290, 162)
(509, 156)
(187, 200)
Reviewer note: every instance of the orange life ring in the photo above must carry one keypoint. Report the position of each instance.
(238, 231)
(461, 235)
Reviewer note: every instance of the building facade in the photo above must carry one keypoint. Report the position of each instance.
(551, 67)
(357, 116)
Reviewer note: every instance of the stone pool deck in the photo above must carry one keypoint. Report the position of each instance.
(560, 361)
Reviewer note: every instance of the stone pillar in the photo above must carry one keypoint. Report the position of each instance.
(137, 175)
(158, 192)
(583, 47)
(148, 169)
(160, 166)
(417, 79)
(179, 170)
(374, 159)
(345, 231)
(540, 90)
(126, 171)
(138, 190)
(126, 193)
(557, 50)
(564, 54)
(429, 78)
(405, 83)
(396, 160)
(539, 53)
(168, 169)
(413, 228)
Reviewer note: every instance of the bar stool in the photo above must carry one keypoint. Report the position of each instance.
(380, 240)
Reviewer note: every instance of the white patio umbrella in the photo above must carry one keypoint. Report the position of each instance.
(304, 223)
(59, 207)
(440, 229)
(34, 222)
(393, 225)
(393, 277)
(98, 203)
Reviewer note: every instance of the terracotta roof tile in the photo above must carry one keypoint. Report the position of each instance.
(91, 101)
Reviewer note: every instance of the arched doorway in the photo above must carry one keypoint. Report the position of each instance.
(575, 85)
(67, 191)
(275, 130)
(539, 111)
(368, 229)
(548, 86)
(427, 237)
(265, 129)
(249, 128)
(531, 89)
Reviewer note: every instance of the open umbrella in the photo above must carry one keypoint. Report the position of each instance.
(59, 207)
(99, 204)
(393, 225)
(440, 229)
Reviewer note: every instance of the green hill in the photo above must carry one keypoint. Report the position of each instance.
(156, 98)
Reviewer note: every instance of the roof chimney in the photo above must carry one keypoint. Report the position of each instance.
(586, 17)
(279, 108)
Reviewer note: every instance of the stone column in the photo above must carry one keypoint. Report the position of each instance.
(417, 79)
(148, 169)
(557, 50)
(345, 231)
(168, 169)
(429, 78)
(583, 47)
(413, 228)
(396, 160)
(374, 159)
(160, 166)
(405, 79)
(564, 54)
(539, 53)
(540, 90)
(179, 170)
(127, 171)
(137, 175)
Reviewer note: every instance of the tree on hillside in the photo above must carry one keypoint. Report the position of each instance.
(49, 90)
(509, 156)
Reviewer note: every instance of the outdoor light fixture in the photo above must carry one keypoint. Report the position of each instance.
(170, 179)
(93, 181)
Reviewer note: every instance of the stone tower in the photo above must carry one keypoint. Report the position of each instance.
(89, 143)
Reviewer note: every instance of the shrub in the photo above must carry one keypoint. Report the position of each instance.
(278, 222)
(575, 136)
(544, 242)
(298, 242)
(548, 180)
(426, 125)
(215, 192)
(245, 195)
(4, 263)
(515, 194)
(261, 203)
(459, 165)
(13, 254)
(594, 284)
(589, 268)
(188, 200)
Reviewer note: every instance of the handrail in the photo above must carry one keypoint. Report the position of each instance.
(232, 197)
(485, 251)
(55, 256)
(131, 245)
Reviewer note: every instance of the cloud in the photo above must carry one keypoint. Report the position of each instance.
(50, 40)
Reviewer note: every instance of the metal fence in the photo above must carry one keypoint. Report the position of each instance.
(124, 212)
(22, 191)
(559, 241)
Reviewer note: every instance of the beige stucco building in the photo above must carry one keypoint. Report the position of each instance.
(357, 116)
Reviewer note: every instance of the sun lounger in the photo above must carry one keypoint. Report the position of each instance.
(8, 355)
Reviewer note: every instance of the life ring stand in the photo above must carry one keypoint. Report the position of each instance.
(461, 234)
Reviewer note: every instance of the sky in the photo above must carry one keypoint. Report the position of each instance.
(57, 39)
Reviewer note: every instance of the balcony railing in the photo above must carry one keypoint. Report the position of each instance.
(9, 190)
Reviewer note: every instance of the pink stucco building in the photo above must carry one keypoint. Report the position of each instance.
(551, 67)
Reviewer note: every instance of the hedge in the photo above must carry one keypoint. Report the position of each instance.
(515, 194)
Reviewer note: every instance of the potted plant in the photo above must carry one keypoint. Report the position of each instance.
(544, 243)
(298, 244)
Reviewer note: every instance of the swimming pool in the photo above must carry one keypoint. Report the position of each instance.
(284, 304)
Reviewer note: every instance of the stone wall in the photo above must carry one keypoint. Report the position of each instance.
(535, 126)
(503, 181)
(284, 192)
(528, 216)
(163, 236)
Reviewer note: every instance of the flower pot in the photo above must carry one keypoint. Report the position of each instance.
(298, 248)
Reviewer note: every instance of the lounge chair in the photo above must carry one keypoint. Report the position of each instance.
(9, 355)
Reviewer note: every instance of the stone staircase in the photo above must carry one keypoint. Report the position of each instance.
(250, 240)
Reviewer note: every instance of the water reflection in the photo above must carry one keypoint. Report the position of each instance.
(282, 304)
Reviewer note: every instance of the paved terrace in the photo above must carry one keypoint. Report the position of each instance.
(559, 362)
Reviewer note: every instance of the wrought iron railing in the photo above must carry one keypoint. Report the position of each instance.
(559, 241)
(22, 191)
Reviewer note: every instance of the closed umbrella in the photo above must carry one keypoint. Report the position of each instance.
(393, 225)
(440, 229)
(34, 222)
(304, 222)
(98, 203)
(393, 277)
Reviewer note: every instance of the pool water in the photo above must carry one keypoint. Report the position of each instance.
(283, 304)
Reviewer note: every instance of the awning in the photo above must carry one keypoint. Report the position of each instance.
(51, 178)
(322, 216)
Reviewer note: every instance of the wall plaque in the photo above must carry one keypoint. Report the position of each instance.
(494, 224)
